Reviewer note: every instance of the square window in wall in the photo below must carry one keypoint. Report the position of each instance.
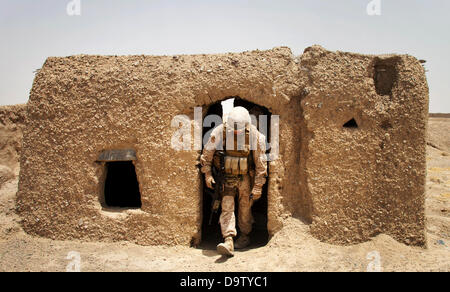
(121, 188)
(121, 185)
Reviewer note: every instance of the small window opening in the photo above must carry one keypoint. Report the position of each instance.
(121, 185)
(385, 75)
(351, 124)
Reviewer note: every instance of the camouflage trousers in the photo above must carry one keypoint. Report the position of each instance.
(240, 186)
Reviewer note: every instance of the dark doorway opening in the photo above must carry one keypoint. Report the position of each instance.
(211, 234)
(121, 185)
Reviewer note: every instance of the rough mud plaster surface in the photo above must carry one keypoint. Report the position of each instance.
(81, 105)
(368, 180)
(12, 122)
(349, 183)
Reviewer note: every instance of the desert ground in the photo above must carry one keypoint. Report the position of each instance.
(291, 249)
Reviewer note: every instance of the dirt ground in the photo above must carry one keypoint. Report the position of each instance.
(292, 249)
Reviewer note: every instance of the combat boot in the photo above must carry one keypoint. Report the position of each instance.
(242, 242)
(226, 248)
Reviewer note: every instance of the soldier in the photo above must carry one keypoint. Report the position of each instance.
(245, 174)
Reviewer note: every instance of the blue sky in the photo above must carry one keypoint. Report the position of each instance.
(32, 30)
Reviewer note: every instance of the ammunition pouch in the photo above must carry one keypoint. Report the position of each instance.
(236, 165)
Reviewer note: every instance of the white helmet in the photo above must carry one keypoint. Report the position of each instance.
(239, 118)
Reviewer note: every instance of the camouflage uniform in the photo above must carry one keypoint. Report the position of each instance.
(243, 184)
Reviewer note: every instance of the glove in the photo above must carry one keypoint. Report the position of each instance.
(256, 193)
(209, 181)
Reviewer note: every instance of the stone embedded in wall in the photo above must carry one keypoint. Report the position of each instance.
(117, 155)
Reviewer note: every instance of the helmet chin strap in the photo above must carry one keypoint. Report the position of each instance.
(236, 130)
(240, 131)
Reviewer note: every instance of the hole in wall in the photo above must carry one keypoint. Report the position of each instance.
(211, 234)
(121, 185)
(351, 124)
(386, 125)
(385, 75)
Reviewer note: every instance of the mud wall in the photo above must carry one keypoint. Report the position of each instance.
(348, 183)
(12, 122)
(81, 105)
(367, 179)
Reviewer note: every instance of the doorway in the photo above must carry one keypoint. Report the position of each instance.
(211, 234)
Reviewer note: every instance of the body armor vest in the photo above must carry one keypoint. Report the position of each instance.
(237, 161)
